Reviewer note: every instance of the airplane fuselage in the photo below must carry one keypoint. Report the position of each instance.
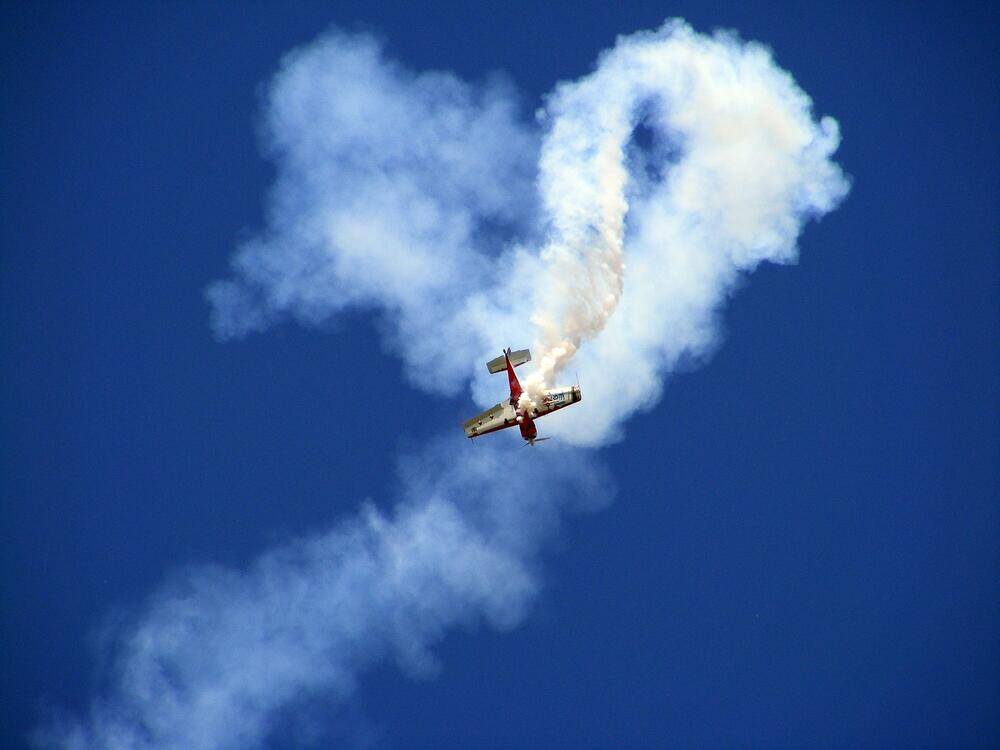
(509, 413)
(552, 400)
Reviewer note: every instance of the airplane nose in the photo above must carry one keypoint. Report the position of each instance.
(577, 396)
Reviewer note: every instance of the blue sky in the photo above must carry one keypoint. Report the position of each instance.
(802, 549)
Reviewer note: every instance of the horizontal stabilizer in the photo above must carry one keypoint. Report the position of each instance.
(516, 358)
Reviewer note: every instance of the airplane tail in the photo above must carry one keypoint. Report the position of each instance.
(516, 358)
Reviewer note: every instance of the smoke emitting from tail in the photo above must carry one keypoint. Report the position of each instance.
(748, 164)
(435, 204)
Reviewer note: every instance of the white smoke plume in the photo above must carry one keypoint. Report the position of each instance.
(216, 656)
(413, 195)
(466, 226)
(740, 165)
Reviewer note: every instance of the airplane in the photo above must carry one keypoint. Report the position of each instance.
(507, 413)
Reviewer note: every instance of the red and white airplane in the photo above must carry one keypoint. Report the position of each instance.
(507, 413)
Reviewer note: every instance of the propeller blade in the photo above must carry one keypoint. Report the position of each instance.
(532, 441)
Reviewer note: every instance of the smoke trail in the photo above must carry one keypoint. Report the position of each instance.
(748, 164)
(396, 192)
(414, 196)
(214, 657)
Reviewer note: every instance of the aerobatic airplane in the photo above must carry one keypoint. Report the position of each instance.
(507, 413)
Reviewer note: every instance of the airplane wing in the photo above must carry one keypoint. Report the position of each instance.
(500, 416)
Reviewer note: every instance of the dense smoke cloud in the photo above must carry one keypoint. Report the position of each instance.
(395, 192)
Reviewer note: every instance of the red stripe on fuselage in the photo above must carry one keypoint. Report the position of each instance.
(515, 385)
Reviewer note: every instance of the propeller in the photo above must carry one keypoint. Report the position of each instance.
(532, 441)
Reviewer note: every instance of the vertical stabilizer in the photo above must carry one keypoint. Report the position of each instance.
(515, 385)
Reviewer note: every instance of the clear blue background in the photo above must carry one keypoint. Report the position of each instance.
(804, 550)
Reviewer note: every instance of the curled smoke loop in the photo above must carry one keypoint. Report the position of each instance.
(752, 165)
(414, 196)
